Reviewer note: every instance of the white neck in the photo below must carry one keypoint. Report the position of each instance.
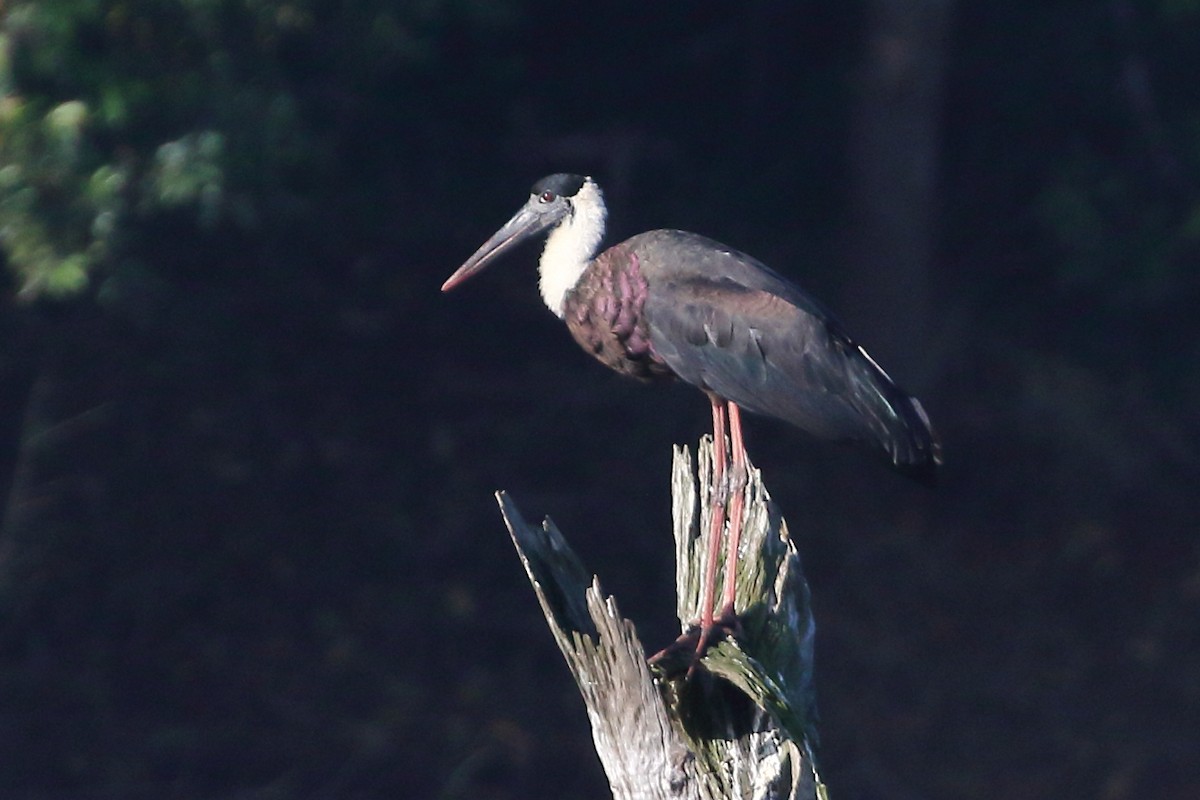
(571, 246)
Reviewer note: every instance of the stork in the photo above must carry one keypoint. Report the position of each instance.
(667, 304)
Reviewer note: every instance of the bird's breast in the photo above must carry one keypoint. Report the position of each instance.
(604, 314)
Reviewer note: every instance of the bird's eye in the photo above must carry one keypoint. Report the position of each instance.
(547, 196)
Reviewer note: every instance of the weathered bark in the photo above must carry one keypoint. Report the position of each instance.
(740, 727)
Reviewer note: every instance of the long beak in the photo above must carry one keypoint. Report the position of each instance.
(528, 222)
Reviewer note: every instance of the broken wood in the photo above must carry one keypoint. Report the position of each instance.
(743, 725)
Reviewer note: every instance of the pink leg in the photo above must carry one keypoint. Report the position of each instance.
(737, 504)
(717, 517)
(726, 418)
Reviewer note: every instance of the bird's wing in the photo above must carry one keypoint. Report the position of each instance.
(668, 255)
(771, 354)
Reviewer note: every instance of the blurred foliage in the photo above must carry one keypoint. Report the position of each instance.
(1121, 207)
(234, 111)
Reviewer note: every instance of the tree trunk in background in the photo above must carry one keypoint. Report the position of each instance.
(894, 155)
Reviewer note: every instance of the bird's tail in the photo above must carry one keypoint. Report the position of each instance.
(901, 426)
(917, 451)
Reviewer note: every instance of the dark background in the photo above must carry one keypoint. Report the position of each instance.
(247, 449)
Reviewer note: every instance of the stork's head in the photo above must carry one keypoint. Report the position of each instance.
(572, 208)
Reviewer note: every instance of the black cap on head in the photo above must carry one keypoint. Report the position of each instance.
(562, 184)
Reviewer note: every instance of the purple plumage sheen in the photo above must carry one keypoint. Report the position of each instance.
(604, 314)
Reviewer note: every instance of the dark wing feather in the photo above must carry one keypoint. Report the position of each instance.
(727, 324)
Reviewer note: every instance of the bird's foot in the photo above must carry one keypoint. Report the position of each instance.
(684, 654)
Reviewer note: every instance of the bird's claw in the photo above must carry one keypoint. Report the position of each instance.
(684, 654)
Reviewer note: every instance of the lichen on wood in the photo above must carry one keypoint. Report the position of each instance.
(740, 726)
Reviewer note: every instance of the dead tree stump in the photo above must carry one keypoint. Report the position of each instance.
(743, 726)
